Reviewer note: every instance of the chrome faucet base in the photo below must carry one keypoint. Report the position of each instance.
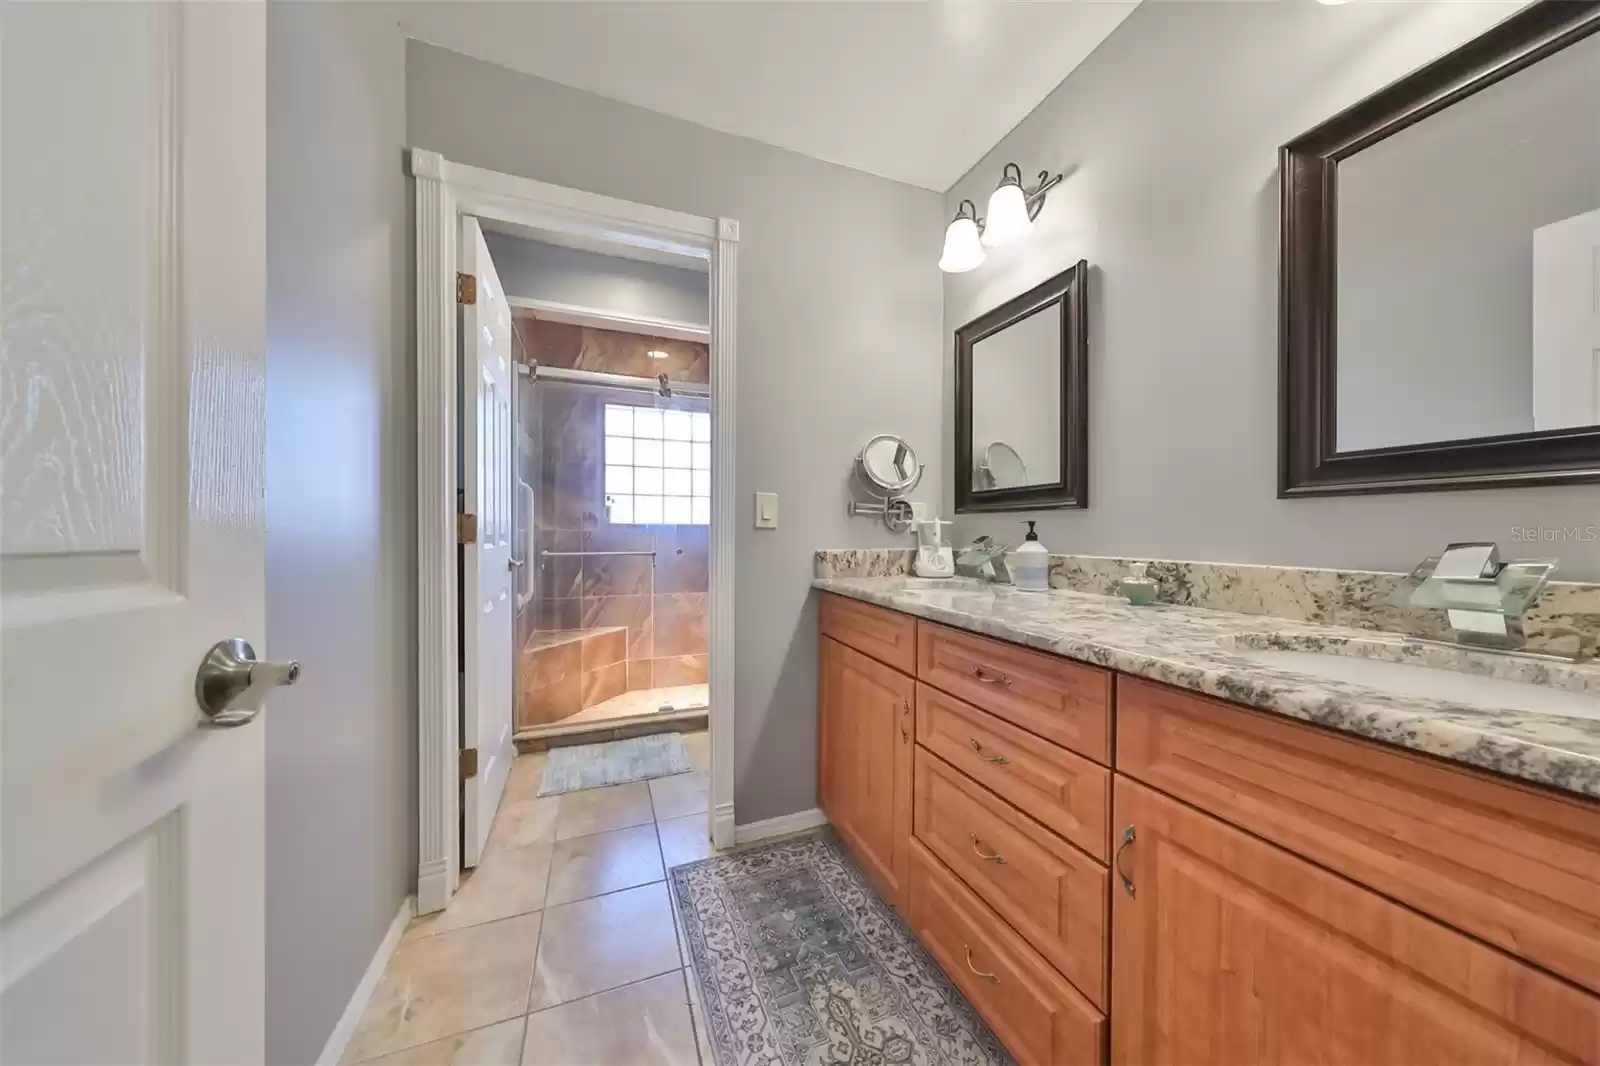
(1482, 597)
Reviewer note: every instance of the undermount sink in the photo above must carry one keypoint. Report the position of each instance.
(1463, 677)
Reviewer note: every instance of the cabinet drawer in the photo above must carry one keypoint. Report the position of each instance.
(1066, 792)
(1039, 1017)
(1066, 702)
(1050, 892)
(888, 636)
(1512, 866)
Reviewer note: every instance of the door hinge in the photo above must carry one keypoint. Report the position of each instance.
(466, 528)
(469, 763)
(466, 289)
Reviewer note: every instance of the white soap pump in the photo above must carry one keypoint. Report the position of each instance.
(934, 558)
(1030, 570)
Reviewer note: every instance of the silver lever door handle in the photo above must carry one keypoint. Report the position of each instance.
(231, 682)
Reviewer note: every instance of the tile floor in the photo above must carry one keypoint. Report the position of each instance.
(562, 948)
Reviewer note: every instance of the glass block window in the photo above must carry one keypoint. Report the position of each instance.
(658, 466)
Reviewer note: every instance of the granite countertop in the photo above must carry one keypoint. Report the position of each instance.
(1199, 649)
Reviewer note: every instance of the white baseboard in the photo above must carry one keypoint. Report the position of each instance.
(723, 832)
(433, 886)
(339, 1039)
(777, 827)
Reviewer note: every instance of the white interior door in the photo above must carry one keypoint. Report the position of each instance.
(488, 610)
(1566, 323)
(131, 436)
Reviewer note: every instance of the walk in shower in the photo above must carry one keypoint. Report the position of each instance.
(613, 529)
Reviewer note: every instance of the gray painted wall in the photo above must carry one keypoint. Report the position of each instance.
(839, 309)
(341, 568)
(1171, 129)
(539, 271)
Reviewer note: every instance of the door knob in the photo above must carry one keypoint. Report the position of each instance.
(231, 682)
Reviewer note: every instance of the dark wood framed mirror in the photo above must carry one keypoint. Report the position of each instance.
(1022, 403)
(1440, 240)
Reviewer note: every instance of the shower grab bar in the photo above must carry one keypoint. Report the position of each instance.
(547, 554)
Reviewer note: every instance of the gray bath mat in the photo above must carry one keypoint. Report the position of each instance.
(799, 962)
(614, 763)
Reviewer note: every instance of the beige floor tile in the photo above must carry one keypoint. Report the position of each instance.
(494, 1045)
(436, 986)
(677, 922)
(644, 1024)
(680, 795)
(526, 773)
(702, 1028)
(508, 882)
(699, 748)
(684, 839)
(604, 862)
(602, 943)
(596, 810)
(523, 820)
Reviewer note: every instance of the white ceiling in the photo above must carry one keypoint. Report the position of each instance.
(914, 91)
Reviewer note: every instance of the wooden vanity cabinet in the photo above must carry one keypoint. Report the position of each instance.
(1229, 950)
(864, 761)
(1287, 894)
(1511, 865)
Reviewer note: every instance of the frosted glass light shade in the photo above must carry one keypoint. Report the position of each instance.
(1007, 221)
(962, 249)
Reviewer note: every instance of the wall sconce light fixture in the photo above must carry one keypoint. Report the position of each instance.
(1012, 210)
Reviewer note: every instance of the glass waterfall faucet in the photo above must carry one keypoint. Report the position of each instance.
(1479, 593)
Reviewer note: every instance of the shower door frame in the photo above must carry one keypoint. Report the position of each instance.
(445, 191)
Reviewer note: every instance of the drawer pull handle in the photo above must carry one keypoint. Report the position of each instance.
(905, 728)
(1127, 882)
(990, 678)
(985, 974)
(998, 760)
(994, 857)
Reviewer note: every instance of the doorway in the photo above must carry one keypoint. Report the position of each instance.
(621, 537)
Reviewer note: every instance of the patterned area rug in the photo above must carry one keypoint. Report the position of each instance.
(800, 963)
(614, 763)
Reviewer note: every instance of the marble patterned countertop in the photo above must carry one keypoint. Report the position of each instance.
(1199, 650)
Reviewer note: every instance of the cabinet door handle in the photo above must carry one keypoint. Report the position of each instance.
(989, 677)
(1127, 839)
(905, 726)
(985, 974)
(993, 856)
(998, 760)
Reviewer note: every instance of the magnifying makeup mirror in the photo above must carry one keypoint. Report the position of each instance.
(1003, 467)
(888, 467)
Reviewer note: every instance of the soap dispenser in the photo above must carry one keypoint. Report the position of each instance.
(1138, 587)
(1031, 572)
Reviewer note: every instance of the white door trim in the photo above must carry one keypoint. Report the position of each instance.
(444, 192)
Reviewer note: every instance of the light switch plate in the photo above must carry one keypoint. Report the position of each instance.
(766, 510)
(919, 510)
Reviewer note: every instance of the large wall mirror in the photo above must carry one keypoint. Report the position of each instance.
(1440, 287)
(1022, 433)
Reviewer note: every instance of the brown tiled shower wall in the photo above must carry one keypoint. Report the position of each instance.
(560, 455)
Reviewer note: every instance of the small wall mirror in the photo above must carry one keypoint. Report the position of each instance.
(1021, 401)
(889, 465)
(1441, 259)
